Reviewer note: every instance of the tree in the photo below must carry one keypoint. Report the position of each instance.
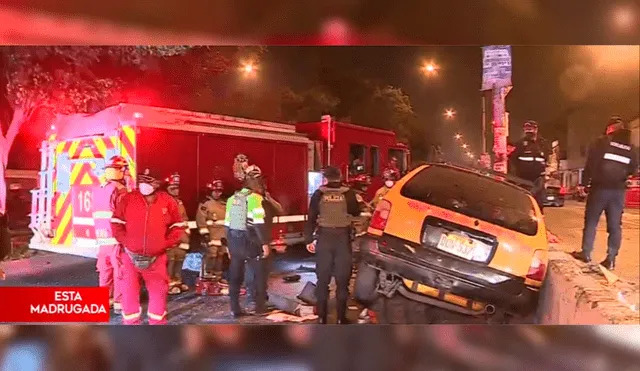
(80, 79)
(309, 105)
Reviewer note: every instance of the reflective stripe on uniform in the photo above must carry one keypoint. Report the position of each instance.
(107, 241)
(210, 222)
(539, 159)
(617, 158)
(620, 145)
(103, 214)
(133, 316)
(118, 221)
(184, 246)
(215, 243)
(203, 230)
(117, 306)
(525, 158)
(156, 316)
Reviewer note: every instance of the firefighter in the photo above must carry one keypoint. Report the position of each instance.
(107, 263)
(331, 210)
(209, 220)
(248, 242)
(357, 166)
(610, 162)
(528, 161)
(360, 185)
(393, 165)
(147, 222)
(390, 177)
(176, 254)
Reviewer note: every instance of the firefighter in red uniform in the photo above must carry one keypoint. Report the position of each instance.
(107, 263)
(177, 254)
(147, 222)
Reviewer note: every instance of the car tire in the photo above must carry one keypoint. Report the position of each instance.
(366, 285)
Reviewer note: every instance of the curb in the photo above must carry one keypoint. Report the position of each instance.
(575, 293)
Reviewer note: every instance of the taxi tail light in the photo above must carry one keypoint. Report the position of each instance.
(563, 190)
(380, 215)
(538, 266)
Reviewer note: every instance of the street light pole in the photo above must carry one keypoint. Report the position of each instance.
(484, 123)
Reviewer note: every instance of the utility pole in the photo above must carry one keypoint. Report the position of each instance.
(496, 76)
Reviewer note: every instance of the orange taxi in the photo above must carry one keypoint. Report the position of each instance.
(453, 239)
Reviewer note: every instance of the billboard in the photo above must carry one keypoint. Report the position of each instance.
(496, 66)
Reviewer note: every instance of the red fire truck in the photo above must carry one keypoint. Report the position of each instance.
(200, 146)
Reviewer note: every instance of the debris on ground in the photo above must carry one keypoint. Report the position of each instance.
(611, 278)
(279, 317)
(291, 278)
(304, 268)
(308, 293)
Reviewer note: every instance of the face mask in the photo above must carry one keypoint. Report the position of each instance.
(146, 189)
(388, 183)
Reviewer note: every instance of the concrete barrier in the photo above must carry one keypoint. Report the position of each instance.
(575, 293)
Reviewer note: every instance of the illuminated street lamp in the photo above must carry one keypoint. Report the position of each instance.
(465, 145)
(249, 69)
(458, 136)
(429, 68)
(470, 154)
(449, 113)
(623, 18)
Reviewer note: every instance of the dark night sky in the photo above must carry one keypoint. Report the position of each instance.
(540, 75)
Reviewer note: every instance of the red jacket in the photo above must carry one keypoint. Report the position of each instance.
(147, 229)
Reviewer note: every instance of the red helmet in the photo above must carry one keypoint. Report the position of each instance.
(173, 180)
(117, 162)
(216, 185)
(361, 180)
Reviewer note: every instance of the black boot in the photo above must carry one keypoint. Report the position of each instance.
(321, 309)
(579, 255)
(341, 309)
(609, 263)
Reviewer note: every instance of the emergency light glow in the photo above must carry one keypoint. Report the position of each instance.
(137, 115)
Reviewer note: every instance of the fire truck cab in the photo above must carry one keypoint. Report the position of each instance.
(68, 212)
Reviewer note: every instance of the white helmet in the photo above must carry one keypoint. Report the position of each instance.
(253, 171)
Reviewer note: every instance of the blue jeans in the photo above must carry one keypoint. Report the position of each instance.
(611, 201)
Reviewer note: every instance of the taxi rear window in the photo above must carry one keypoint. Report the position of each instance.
(475, 195)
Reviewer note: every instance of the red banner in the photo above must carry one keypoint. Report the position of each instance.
(54, 304)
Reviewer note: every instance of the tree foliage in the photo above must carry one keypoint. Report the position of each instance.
(309, 105)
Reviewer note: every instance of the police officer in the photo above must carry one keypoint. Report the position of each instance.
(272, 209)
(248, 242)
(209, 220)
(331, 210)
(610, 161)
(528, 161)
(176, 254)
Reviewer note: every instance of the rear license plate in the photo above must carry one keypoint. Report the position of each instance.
(457, 245)
(550, 198)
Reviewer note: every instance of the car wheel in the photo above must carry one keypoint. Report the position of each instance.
(366, 284)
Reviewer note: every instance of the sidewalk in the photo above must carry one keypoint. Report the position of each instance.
(567, 223)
